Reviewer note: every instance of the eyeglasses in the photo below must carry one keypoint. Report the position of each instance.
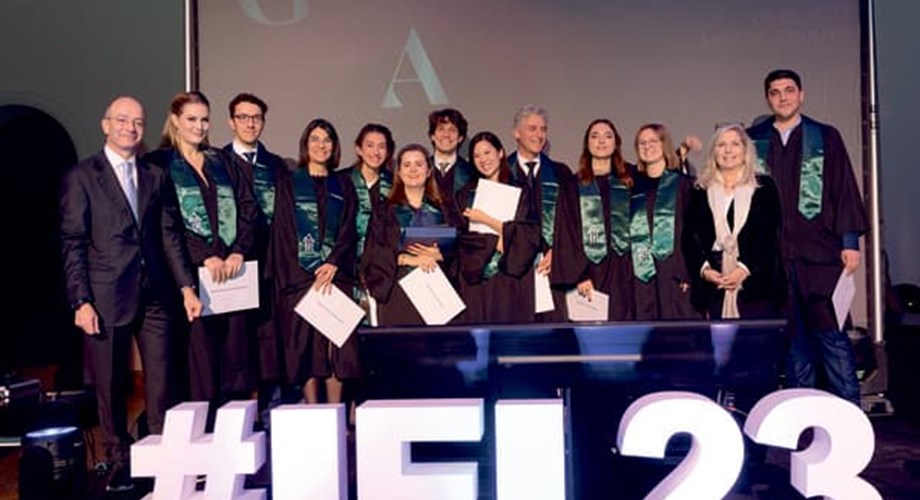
(248, 118)
(649, 142)
(319, 140)
(124, 121)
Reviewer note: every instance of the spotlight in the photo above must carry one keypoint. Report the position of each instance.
(53, 464)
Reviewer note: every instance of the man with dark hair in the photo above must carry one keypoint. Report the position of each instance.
(261, 168)
(447, 129)
(123, 266)
(823, 217)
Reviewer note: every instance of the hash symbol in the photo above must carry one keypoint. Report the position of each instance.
(184, 451)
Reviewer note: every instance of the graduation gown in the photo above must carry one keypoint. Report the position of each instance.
(667, 295)
(308, 353)
(762, 293)
(811, 247)
(220, 354)
(613, 275)
(502, 297)
(535, 194)
(264, 321)
(458, 176)
(381, 272)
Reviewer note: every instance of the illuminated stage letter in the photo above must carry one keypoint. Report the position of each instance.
(309, 460)
(299, 11)
(424, 70)
(716, 454)
(530, 449)
(842, 446)
(385, 430)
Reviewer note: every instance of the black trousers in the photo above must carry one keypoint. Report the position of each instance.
(108, 359)
(221, 358)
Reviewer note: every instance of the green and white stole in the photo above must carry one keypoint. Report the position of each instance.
(263, 183)
(811, 175)
(365, 204)
(314, 245)
(191, 203)
(649, 244)
(593, 230)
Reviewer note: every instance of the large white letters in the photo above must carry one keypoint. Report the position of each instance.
(424, 71)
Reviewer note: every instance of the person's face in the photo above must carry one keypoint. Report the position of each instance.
(319, 146)
(601, 141)
(413, 169)
(372, 150)
(650, 148)
(487, 159)
(785, 98)
(123, 125)
(445, 138)
(531, 135)
(730, 151)
(192, 123)
(247, 123)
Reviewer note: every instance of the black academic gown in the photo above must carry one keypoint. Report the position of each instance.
(264, 320)
(381, 272)
(763, 292)
(449, 184)
(667, 295)
(811, 248)
(308, 353)
(220, 357)
(613, 275)
(502, 298)
(534, 192)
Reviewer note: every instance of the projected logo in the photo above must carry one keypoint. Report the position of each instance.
(299, 11)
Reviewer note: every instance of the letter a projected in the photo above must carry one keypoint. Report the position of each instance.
(424, 71)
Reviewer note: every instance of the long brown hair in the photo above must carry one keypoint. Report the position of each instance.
(504, 170)
(170, 137)
(398, 194)
(671, 161)
(618, 166)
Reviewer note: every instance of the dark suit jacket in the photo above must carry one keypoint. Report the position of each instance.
(758, 248)
(109, 258)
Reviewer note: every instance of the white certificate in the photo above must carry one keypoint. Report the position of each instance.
(496, 199)
(432, 295)
(543, 294)
(334, 314)
(237, 294)
(580, 309)
(843, 297)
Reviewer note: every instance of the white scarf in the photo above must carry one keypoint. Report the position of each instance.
(727, 240)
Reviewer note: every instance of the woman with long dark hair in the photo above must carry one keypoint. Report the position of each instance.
(492, 268)
(313, 246)
(414, 201)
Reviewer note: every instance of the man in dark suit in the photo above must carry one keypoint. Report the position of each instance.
(123, 266)
(261, 168)
(540, 178)
(447, 130)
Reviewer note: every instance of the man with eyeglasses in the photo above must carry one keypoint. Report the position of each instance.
(823, 218)
(123, 266)
(261, 168)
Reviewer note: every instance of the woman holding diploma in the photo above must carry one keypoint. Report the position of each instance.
(413, 203)
(313, 247)
(218, 213)
(592, 223)
(492, 265)
(660, 195)
(731, 234)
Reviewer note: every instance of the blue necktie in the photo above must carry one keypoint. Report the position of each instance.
(127, 185)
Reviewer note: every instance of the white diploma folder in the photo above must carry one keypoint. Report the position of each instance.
(432, 295)
(580, 309)
(237, 294)
(496, 199)
(333, 314)
(843, 297)
(543, 294)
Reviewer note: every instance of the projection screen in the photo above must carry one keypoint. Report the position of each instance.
(689, 65)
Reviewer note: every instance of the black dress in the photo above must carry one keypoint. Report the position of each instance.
(503, 297)
(309, 353)
(380, 269)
